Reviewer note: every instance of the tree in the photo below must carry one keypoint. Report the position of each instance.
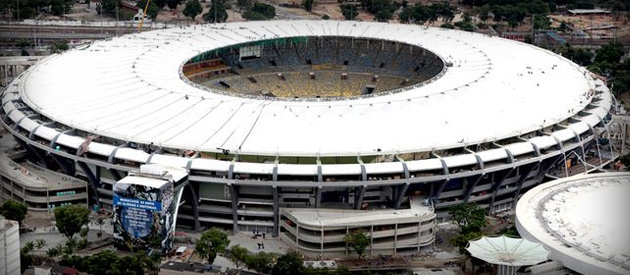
(217, 12)
(358, 241)
(71, 218)
(160, 3)
(212, 242)
(260, 11)
(71, 244)
(261, 262)
(40, 243)
(59, 47)
(102, 262)
(469, 217)
(152, 9)
(610, 53)
(383, 15)
(238, 255)
(109, 7)
(308, 5)
(289, 263)
(243, 4)
(172, 4)
(325, 17)
(349, 11)
(14, 210)
(580, 56)
(461, 240)
(54, 252)
(192, 9)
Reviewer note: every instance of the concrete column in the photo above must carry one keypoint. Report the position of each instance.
(419, 233)
(371, 240)
(321, 244)
(297, 236)
(359, 197)
(276, 212)
(234, 196)
(318, 196)
(395, 237)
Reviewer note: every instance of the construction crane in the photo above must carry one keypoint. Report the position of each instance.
(144, 13)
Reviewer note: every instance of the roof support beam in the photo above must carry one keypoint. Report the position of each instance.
(95, 182)
(111, 159)
(525, 170)
(471, 186)
(495, 187)
(358, 196)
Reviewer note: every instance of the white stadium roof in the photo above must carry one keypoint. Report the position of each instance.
(130, 88)
(582, 220)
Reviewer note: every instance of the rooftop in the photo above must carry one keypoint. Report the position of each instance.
(130, 88)
(582, 220)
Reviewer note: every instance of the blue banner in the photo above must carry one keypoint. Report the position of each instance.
(137, 203)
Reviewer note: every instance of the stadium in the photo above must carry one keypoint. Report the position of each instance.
(281, 124)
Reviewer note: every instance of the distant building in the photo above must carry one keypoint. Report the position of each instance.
(588, 11)
(9, 247)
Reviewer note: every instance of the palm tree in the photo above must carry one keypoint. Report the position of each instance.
(53, 252)
(39, 244)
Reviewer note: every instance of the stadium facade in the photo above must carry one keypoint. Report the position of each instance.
(476, 119)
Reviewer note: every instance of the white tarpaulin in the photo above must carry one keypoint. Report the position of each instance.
(507, 251)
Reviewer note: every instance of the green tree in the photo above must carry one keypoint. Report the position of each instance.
(71, 244)
(325, 17)
(461, 241)
(212, 242)
(160, 3)
(243, 4)
(58, 47)
(580, 56)
(39, 244)
(260, 11)
(238, 255)
(101, 262)
(358, 240)
(469, 217)
(59, 7)
(261, 262)
(172, 4)
(349, 11)
(308, 5)
(217, 12)
(289, 263)
(14, 210)
(541, 21)
(71, 218)
(54, 252)
(192, 9)
(610, 53)
(152, 9)
(383, 15)
(109, 7)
